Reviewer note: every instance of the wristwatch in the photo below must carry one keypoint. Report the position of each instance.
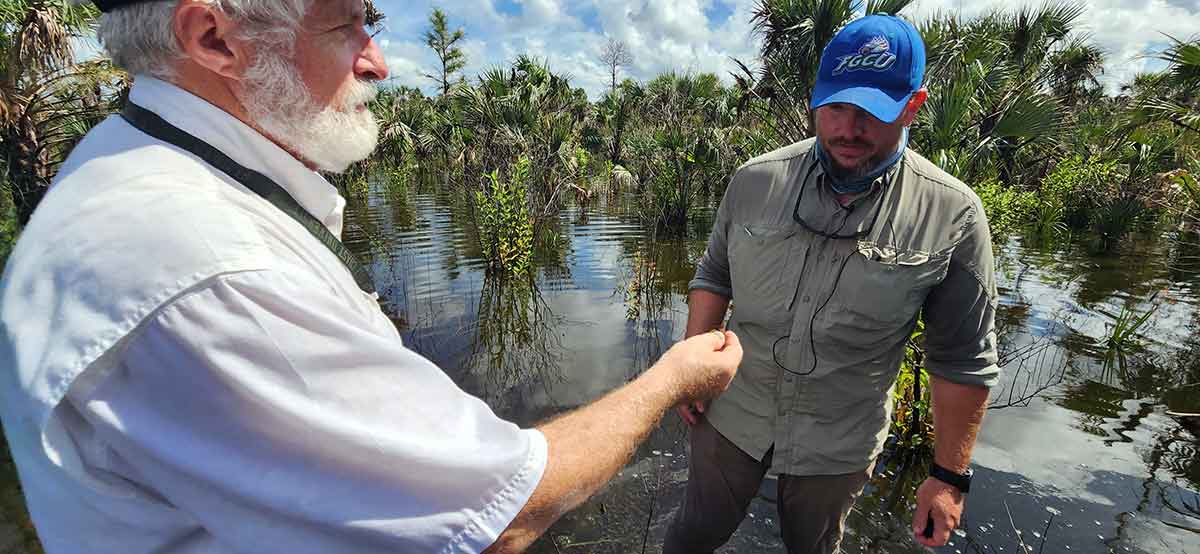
(960, 481)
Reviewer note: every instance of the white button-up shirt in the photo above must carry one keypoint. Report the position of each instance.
(185, 369)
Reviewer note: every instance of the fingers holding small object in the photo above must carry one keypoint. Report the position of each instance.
(721, 337)
(731, 340)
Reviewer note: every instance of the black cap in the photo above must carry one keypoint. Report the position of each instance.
(110, 5)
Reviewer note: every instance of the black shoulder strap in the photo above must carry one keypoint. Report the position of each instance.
(150, 123)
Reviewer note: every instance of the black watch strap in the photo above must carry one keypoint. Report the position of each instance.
(960, 481)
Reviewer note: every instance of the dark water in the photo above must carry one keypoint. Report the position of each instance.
(1093, 462)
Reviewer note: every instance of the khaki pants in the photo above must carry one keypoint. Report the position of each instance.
(722, 480)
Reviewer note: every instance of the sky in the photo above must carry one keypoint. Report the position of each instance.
(705, 35)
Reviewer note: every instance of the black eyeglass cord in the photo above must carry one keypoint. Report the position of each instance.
(836, 235)
(812, 341)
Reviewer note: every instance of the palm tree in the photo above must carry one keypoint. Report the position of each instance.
(405, 119)
(999, 88)
(527, 111)
(1171, 95)
(687, 141)
(47, 100)
(615, 113)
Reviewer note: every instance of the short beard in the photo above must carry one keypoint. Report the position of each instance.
(844, 174)
(329, 138)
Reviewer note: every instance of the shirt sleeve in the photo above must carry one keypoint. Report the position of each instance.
(271, 413)
(712, 272)
(960, 313)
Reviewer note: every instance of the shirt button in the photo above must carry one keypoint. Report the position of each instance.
(820, 258)
(807, 299)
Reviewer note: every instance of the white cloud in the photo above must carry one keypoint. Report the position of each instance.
(1127, 31)
(680, 35)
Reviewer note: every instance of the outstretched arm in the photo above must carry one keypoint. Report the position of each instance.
(588, 446)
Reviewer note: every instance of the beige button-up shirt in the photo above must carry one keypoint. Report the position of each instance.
(825, 295)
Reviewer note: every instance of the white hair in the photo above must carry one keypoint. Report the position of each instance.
(141, 37)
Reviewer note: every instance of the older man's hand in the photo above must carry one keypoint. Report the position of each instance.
(703, 366)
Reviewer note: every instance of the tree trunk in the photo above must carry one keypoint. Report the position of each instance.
(29, 171)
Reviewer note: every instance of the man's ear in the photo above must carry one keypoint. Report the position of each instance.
(914, 105)
(207, 38)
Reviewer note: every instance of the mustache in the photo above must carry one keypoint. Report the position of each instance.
(362, 92)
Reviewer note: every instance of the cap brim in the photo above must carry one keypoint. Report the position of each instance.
(883, 106)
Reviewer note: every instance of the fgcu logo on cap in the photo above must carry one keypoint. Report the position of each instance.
(874, 55)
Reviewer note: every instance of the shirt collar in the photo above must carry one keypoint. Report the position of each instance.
(826, 192)
(244, 144)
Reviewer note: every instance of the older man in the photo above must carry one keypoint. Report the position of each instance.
(830, 248)
(191, 362)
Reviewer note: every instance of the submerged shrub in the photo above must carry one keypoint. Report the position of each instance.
(1115, 219)
(505, 223)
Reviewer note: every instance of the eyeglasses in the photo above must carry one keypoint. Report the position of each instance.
(836, 234)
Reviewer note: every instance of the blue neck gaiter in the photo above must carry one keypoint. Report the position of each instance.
(861, 184)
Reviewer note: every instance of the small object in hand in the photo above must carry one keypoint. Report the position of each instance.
(928, 532)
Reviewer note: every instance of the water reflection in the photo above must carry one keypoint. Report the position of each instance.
(517, 344)
(1076, 456)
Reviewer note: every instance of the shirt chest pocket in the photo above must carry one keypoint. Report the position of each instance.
(758, 261)
(882, 290)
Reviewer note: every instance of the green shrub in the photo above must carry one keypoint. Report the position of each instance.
(903, 399)
(1008, 209)
(1081, 186)
(398, 179)
(505, 223)
(356, 186)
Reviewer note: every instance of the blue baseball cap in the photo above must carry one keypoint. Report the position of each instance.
(876, 63)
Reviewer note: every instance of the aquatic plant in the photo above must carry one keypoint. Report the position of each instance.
(1115, 219)
(504, 220)
(1124, 335)
(1048, 223)
(1079, 185)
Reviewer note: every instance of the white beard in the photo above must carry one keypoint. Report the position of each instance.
(327, 137)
